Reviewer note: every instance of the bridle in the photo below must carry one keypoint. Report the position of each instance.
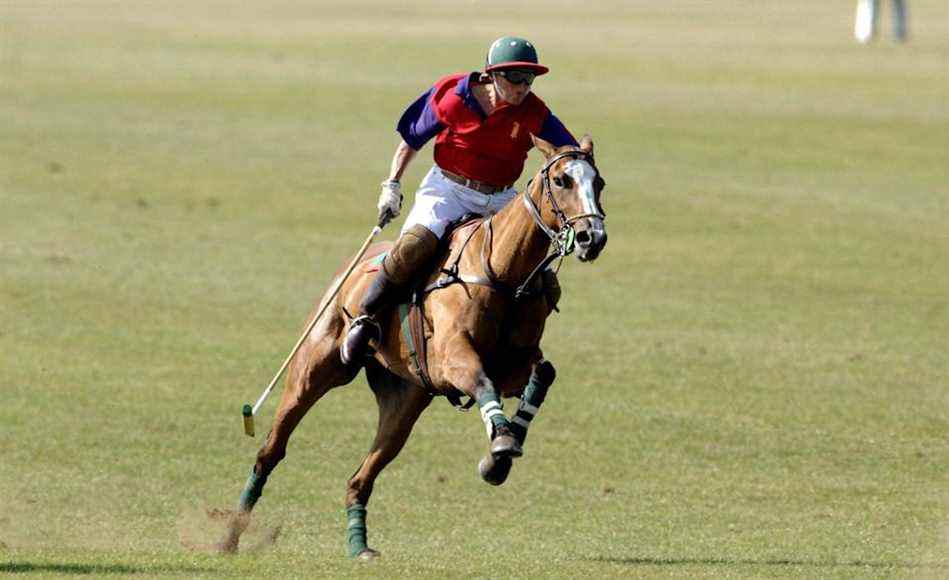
(565, 236)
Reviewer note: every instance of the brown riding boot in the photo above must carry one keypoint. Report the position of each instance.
(412, 251)
(364, 328)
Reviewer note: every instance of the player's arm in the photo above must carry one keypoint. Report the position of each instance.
(554, 132)
(417, 126)
(404, 154)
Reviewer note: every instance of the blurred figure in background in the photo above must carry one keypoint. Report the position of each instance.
(868, 14)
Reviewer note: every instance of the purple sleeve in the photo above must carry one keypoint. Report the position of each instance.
(555, 133)
(419, 123)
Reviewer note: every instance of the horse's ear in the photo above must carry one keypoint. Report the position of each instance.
(545, 147)
(586, 144)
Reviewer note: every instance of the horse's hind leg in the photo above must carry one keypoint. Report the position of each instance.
(315, 370)
(400, 405)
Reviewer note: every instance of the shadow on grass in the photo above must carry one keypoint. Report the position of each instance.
(98, 569)
(778, 562)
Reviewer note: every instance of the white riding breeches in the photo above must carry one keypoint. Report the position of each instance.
(440, 201)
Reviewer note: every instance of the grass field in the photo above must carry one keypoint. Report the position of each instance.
(752, 378)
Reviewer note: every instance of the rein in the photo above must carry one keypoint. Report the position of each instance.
(564, 238)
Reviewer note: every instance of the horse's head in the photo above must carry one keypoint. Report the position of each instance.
(570, 195)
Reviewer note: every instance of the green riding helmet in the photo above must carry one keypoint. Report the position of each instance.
(512, 52)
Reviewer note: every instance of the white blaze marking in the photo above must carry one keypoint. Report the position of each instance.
(583, 173)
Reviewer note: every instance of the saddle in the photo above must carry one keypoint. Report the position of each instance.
(415, 330)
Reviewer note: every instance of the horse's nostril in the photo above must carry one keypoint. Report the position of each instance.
(583, 238)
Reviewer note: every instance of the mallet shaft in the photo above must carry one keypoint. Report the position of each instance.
(248, 425)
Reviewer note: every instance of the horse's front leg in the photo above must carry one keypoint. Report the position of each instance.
(542, 376)
(466, 372)
(495, 470)
(400, 405)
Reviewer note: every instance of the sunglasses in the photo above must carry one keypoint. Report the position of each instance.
(517, 77)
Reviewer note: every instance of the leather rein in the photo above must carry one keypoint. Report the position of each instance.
(564, 237)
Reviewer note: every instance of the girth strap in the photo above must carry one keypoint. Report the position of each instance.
(413, 330)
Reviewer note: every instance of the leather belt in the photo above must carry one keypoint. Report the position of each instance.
(479, 186)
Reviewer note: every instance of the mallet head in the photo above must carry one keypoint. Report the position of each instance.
(248, 413)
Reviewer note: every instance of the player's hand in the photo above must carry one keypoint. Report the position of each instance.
(390, 200)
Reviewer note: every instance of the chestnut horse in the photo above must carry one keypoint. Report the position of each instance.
(485, 331)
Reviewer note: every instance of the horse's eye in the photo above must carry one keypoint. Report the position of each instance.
(558, 182)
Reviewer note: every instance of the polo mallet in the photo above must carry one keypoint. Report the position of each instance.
(247, 411)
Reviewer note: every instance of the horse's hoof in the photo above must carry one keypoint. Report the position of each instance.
(228, 547)
(235, 527)
(495, 471)
(505, 444)
(367, 555)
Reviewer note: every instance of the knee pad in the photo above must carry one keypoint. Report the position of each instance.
(414, 249)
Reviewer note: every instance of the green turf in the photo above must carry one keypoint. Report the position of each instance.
(752, 378)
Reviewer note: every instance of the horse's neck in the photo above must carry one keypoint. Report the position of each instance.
(518, 244)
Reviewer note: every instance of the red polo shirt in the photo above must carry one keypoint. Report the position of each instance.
(489, 148)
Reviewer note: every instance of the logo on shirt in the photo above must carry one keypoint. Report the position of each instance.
(515, 130)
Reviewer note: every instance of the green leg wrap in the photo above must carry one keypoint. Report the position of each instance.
(492, 412)
(533, 397)
(356, 529)
(252, 491)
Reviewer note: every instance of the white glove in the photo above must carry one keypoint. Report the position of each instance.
(390, 200)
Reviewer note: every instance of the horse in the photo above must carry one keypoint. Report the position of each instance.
(485, 318)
